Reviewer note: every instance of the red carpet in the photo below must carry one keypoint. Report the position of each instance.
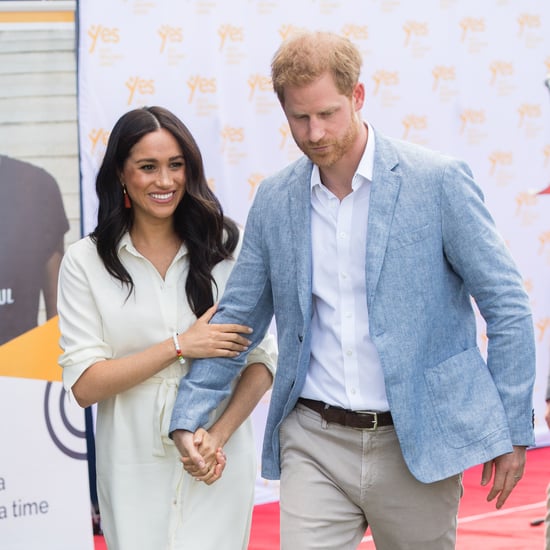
(481, 526)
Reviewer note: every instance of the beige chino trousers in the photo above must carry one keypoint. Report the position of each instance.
(336, 481)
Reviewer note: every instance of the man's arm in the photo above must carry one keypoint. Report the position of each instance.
(201, 451)
(247, 296)
(479, 255)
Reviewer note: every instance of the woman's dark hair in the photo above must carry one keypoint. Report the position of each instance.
(198, 219)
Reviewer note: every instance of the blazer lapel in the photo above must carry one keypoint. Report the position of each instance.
(383, 198)
(299, 198)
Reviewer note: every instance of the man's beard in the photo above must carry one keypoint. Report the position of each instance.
(337, 149)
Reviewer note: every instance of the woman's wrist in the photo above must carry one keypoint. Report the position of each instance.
(177, 347)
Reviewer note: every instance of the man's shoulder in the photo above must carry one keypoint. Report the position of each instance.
(299, 170)
(406, 150)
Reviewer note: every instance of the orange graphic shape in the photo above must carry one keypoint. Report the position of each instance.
(37, 17)
(33, 354)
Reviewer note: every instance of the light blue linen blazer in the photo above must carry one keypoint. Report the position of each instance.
(431, 247)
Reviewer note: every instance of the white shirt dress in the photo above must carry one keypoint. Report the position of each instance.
(147, 501)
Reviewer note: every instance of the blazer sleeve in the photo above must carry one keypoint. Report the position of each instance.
(480, 256)
(247, 300)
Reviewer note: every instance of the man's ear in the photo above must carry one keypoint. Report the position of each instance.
(358, 96)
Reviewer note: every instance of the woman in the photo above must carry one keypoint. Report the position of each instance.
(135, 298)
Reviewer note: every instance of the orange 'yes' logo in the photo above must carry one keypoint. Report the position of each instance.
(544, 240)
(258, 82)
(169, 34)
(471, 116)
(286, 30)
(500, 68)
(414, 28)
(528, 110)
(527, 20)
(441, 72)
(542, 326)
(524, 199)
(99, 33)
(230, 32)
(200, 84)
(139, 85)
(502, 158)
(413, 122)
(355, 32)
(384, 77)
(98, 136)
(232, 135)
(471, 24)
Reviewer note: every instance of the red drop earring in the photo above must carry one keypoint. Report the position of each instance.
(127, 203)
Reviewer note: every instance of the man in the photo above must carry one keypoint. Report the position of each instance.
(368, 251)
(32, 228)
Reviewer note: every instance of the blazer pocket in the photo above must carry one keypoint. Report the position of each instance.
(465, 399)
(409, 237)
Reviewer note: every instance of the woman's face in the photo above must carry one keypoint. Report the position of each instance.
(154, 176)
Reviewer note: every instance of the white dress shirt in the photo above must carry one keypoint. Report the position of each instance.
(344, 369)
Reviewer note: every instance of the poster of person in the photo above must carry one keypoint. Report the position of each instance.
(44, 489)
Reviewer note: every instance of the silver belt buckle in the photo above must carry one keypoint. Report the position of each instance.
(374, 419)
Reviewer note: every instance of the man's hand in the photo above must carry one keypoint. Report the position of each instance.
(209, 446)
(508, 470)
(208, 469)
(185, 443)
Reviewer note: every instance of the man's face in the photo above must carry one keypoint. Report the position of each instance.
(324, 123)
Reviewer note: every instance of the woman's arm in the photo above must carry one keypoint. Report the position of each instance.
(109, 377)
(255, 380)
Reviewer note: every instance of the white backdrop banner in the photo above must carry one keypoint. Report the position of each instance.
(460, 76)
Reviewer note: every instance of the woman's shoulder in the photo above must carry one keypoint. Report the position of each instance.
(82, 246)
(82, 251)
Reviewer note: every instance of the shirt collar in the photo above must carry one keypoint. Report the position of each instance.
(126, 243)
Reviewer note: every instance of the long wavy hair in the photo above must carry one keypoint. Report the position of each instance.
(198, 219)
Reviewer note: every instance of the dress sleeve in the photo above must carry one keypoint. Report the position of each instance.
(79, 318)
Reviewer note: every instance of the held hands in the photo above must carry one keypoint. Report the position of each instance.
(508, 470)
(211, 340)
(201, 454)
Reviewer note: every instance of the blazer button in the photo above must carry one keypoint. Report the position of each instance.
(300, 338)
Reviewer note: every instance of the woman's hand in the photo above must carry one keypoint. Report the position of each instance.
(211, 340)
(208, 445)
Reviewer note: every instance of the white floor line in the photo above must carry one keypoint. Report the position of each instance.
(501, 512)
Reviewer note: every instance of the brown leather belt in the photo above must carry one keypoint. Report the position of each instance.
(365, 420)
